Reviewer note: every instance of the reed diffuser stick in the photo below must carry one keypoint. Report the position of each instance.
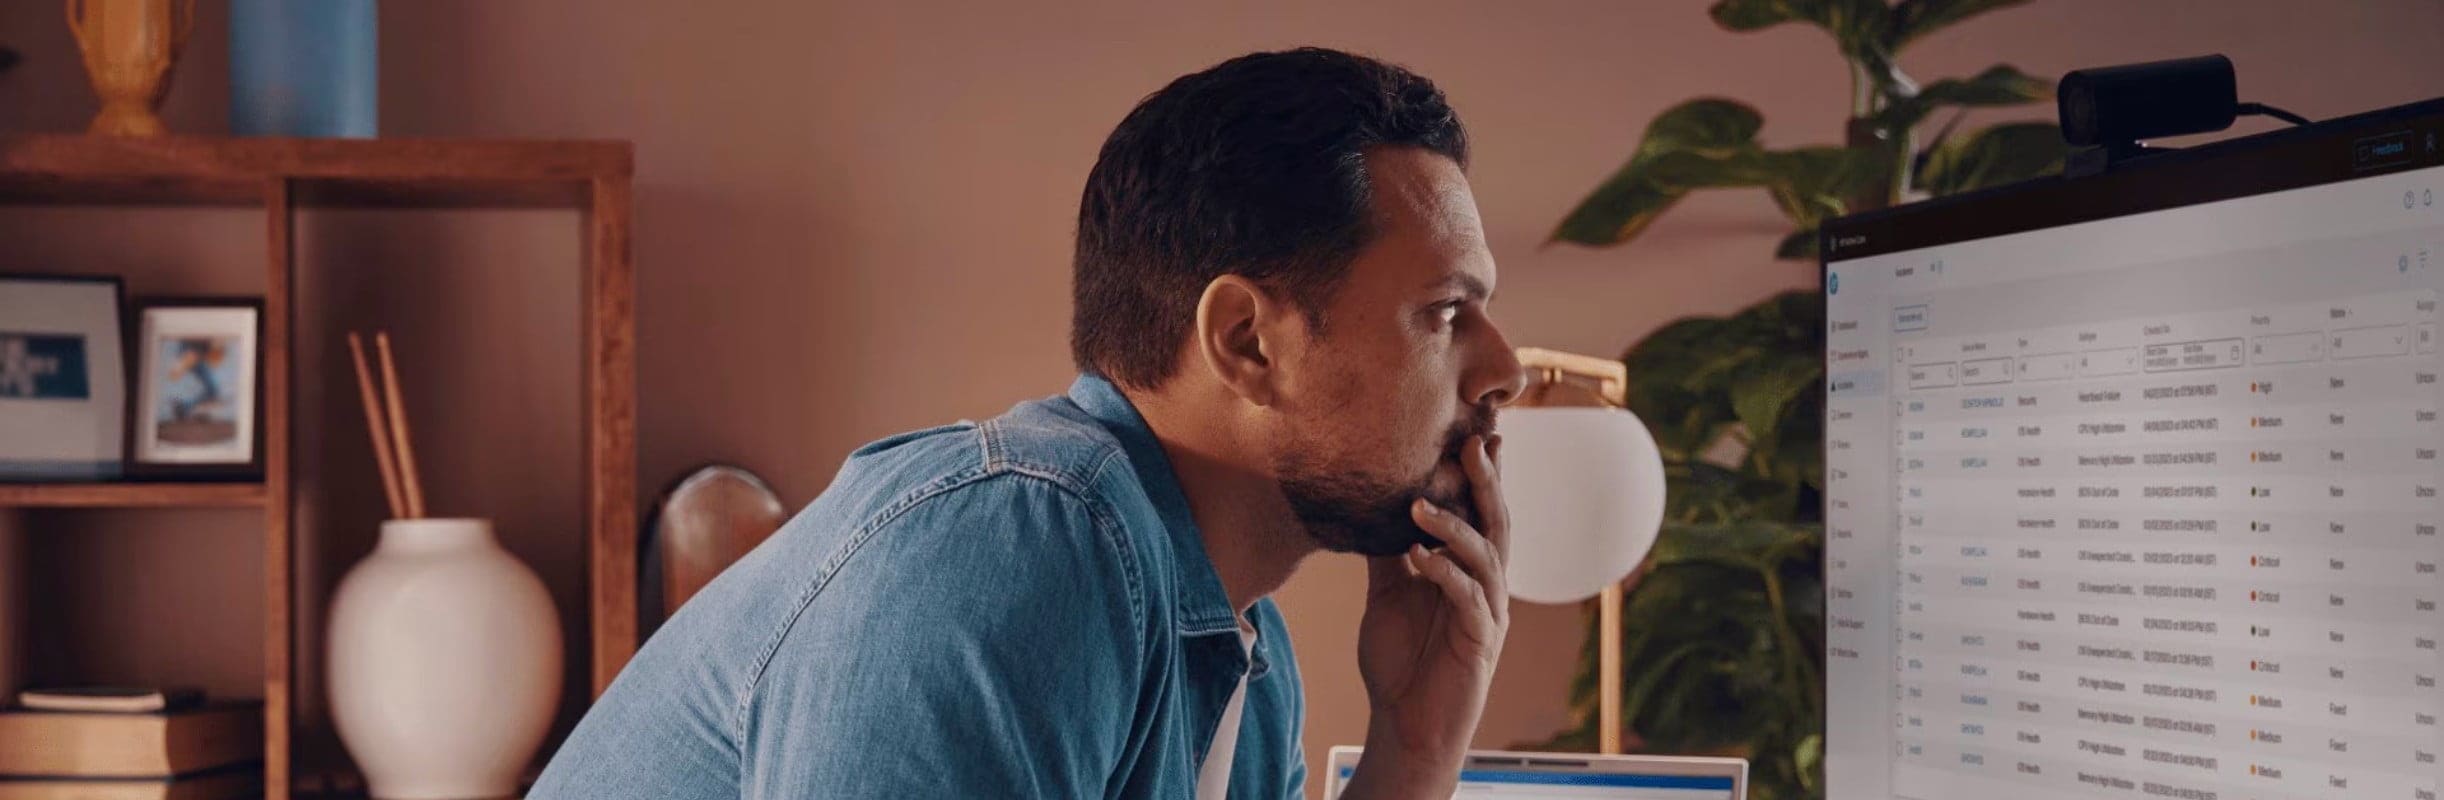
(376, 425)
(414, 489)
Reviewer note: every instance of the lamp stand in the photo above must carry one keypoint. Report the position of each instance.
(1608, 669)
(1604, 382)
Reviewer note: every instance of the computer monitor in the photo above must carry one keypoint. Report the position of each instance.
(1506, 775)
(2132, 479)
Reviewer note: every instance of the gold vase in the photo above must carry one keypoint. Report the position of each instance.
(129, 46)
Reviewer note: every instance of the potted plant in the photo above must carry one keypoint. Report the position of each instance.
(1723, 643)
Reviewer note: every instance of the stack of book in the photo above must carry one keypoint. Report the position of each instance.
(130, 746)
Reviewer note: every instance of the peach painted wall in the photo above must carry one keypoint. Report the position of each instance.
(854, 218)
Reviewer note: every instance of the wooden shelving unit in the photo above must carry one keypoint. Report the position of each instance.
(281, 176)
(132, 495)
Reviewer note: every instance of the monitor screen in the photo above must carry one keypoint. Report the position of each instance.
(2131, 479)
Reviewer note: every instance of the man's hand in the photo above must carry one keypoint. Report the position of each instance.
(1427, 646)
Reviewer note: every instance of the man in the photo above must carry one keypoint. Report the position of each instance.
(1281, 288)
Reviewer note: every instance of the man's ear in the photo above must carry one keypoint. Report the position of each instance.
(1238, 337)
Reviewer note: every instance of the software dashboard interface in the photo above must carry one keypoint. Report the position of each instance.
(2144, 506)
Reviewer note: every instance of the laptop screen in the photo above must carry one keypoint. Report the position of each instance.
(1478, 784)
(1603, 778)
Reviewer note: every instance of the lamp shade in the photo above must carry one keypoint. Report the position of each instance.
(1585, 491)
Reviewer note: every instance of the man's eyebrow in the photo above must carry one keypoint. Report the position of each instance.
(1467, 284)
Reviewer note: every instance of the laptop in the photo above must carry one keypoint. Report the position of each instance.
(1505, 775)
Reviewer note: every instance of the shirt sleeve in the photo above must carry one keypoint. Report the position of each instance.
(985, 642)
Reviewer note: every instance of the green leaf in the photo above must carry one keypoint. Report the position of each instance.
(1764, 391)
(1799, 459)
(1800, 245)
(1702, 676)
(1813, 184)
(1705, 494)
(1748, 544)
(1702, 143)
(1697, 380)
(1914, 19)
(1677, 382)
(1809, 757)
(1999, 85)
(2003, 154)
(1707, 124)
(1861, 30)
(1857, 25)
(1709, 663)
(1681, 375)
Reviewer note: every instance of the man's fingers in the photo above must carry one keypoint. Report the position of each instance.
(1475, 551)
(1468, 550)
(1445, 574)
(1485, 485)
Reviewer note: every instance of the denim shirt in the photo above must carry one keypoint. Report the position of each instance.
(1018, 608)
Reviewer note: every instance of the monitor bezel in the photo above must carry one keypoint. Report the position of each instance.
(2290, 158)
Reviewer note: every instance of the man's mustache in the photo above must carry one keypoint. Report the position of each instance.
(1479, 422)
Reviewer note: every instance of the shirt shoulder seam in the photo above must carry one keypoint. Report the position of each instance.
(823, 575)
(1106, 525)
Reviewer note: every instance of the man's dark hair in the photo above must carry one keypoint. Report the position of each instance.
(1255, 167)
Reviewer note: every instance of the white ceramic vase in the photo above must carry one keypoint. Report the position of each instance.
(444, 662)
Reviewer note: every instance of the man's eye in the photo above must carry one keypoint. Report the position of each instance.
(1447, 313)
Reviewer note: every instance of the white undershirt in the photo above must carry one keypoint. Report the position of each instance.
(1213, 779)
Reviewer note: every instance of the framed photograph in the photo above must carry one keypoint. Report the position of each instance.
(63, 379)
(198, 388)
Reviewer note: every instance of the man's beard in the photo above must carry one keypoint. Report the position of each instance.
(1348, 512)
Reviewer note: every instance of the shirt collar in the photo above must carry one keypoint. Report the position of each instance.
(1203, 607)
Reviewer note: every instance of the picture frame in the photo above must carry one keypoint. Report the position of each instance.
(63, 378)
(197, 410)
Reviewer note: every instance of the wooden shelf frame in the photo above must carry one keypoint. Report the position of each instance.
(132, 495)
(311, 173)
(282, 176)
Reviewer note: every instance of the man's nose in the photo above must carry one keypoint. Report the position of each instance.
(1499, 379)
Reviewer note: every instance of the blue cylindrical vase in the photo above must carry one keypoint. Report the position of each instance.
(303, 68)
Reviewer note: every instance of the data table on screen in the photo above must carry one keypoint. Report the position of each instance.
(2144, 507)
